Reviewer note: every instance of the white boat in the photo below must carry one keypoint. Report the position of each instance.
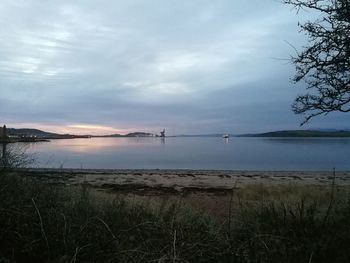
(226, 136)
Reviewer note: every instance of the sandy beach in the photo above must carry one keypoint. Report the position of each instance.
(153, 182)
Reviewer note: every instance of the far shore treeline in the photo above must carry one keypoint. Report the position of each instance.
(302, 133)
(34, 135)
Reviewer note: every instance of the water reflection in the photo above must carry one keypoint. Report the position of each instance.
(93, 145)
(197, 153)
(305, 140)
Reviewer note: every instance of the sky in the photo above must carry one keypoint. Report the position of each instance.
(191, 67)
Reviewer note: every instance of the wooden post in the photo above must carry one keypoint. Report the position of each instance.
(4, 143)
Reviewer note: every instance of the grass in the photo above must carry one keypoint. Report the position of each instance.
(47, 223)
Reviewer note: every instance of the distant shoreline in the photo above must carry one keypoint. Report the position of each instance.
(35, 135)
(302, 134)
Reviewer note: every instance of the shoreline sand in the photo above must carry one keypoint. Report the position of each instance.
(145, 181)
(210, 191)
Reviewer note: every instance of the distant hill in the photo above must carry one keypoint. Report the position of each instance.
(132, 134)
(139, 134)
(200, 135)
(301, 133)
(109, 135)
(26, 132)
(31, 133)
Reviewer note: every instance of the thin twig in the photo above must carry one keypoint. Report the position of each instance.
(311, 255)
(174, 246)
(230, 209)
(65, 230)
(77, 250)
(108, 228)
(41, 225)
(331, 199)
(74, 258)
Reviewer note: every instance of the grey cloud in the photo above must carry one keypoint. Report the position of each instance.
(191, 66)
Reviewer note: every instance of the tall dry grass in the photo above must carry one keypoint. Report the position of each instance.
(46, 223)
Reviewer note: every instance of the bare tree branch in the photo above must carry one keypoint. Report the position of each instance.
(324, 65)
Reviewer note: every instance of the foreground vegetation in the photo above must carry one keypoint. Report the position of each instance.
(46, 223)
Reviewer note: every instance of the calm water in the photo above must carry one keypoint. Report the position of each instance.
(196, 153)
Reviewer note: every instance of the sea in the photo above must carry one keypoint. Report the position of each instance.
(208, 153)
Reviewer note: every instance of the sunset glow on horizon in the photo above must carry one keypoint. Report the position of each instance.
(76, 129)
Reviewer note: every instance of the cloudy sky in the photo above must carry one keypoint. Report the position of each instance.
(196, 66)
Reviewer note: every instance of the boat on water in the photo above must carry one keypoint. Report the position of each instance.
(225, 136)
